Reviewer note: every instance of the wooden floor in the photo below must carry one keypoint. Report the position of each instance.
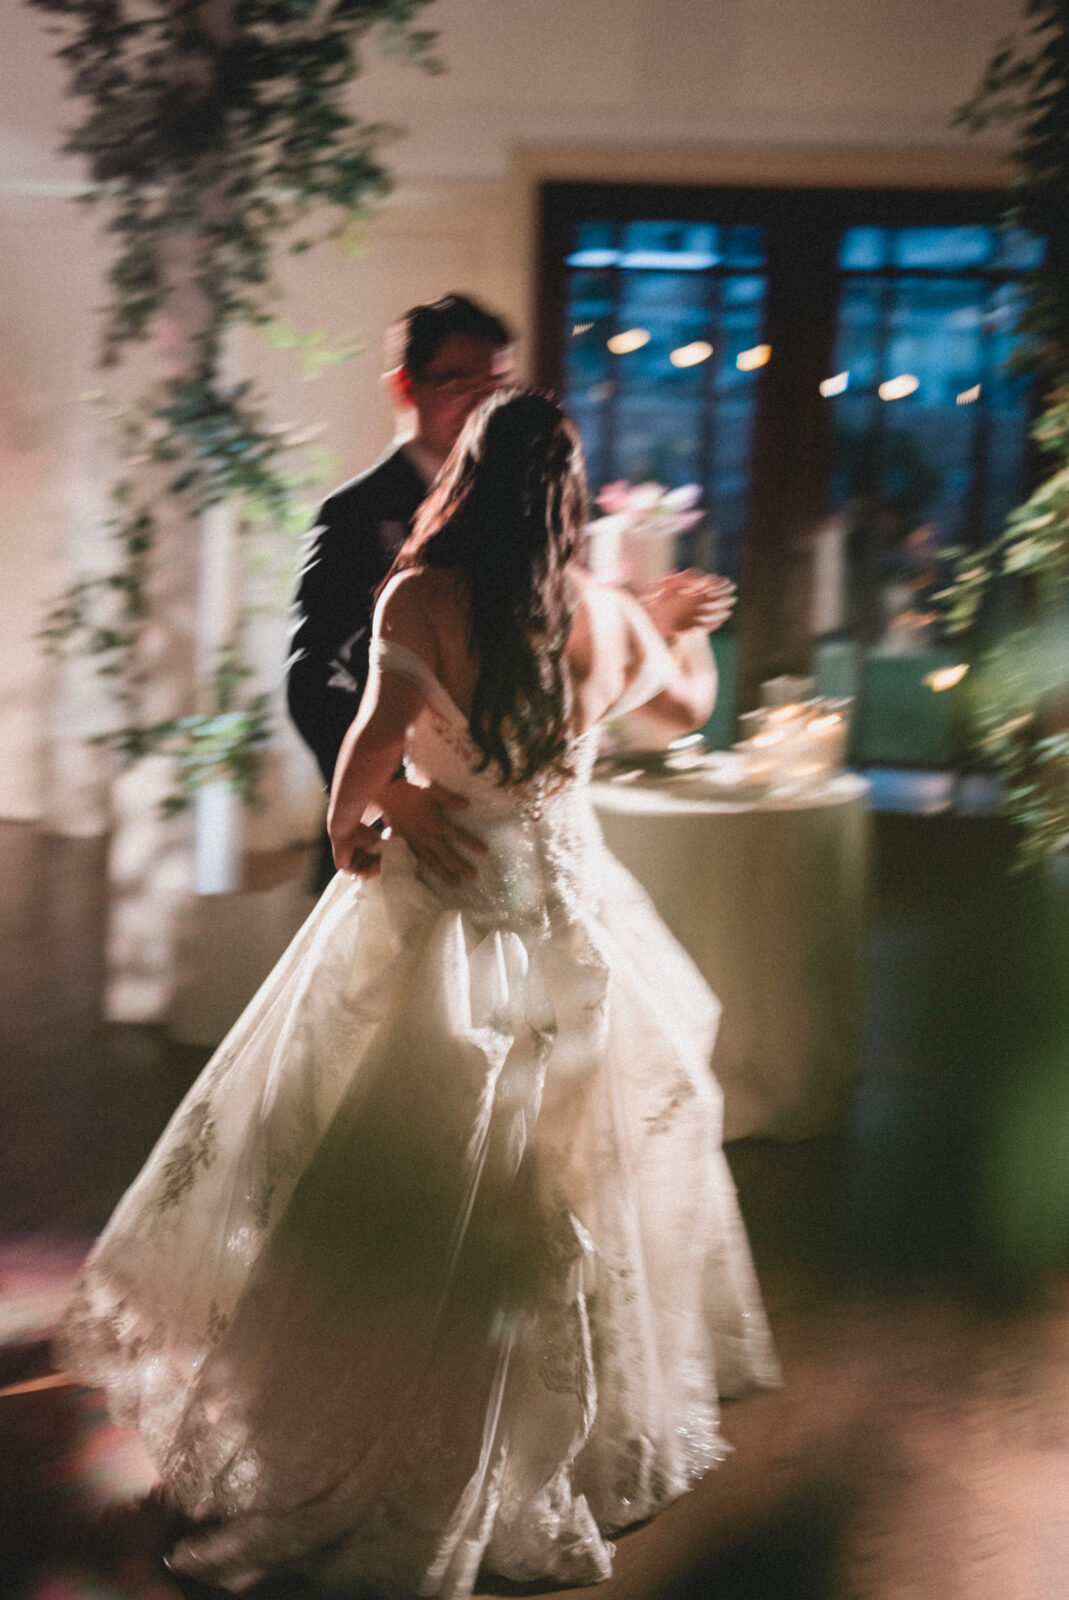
(914, 1265)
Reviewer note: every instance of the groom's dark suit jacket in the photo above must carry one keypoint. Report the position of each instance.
(359, 530)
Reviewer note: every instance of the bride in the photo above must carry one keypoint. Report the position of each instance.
(439, 1265)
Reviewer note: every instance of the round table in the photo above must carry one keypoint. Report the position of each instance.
(768, 895)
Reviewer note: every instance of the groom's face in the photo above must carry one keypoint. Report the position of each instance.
(457, 378)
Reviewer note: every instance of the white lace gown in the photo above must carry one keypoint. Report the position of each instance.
(439, 1264)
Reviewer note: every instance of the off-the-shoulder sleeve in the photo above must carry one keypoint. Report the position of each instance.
(657, 668)
(387, 655)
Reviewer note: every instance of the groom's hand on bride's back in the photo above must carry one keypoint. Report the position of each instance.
(358, 851)
(420, 816)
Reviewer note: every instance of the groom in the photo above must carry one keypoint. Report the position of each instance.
(443, 359)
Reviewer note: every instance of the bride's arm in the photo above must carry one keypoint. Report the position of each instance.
(366, 778)
(370, 756)
(682, 669)
(372, 749)
(687, 700)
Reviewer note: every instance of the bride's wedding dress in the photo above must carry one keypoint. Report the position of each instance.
(439, 1264)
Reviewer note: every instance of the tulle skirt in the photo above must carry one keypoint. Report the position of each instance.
(439, 1264)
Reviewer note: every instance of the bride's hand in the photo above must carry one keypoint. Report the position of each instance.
(359, 851)
(683, 602)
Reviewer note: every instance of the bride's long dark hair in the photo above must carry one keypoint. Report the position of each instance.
(506, 515)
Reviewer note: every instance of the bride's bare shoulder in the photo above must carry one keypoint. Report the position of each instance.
(425, 608)
(417, 596)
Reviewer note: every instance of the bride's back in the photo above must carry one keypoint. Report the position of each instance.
(602, 655)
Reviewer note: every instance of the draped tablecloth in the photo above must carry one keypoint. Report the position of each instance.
(769, 897)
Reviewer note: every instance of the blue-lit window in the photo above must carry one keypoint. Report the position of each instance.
(678, 407)
(930, 425)
(926, 425)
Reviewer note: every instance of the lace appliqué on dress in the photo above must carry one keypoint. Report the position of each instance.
(566, 1364)
(196, 1151)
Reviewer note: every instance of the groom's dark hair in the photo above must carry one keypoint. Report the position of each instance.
(415, 338)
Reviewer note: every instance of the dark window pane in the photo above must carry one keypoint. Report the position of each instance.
(937, 458)
(591, 296)
(658, 403)
(595, 236)
(911, 348)
(726, 494)
(744, 246)
(858, 348)
(678, 408)
(863, 249)
(1018, 251)
(672, 306)
(855, 463)
(934, 334)
(676, 246)
(946, 249)
(588, 324)
(741, 326)
(1007, 390)
(742, 291)
(930, 435)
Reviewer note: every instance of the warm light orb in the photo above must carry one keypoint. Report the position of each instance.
(689, 355)
(898, 388)
(967, 396)
(580, 328)
(622, 344)
(946, 677)
(750, 360)
(836, 385)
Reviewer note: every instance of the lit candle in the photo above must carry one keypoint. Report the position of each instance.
(763, 758)
(826, 739)
(785, 714)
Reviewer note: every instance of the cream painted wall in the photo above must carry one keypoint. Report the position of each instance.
(48, 476)
(685, 90)
(709, 71)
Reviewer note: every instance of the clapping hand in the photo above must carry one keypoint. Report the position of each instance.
(689, 601)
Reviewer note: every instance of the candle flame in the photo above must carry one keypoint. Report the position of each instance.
(946, 677)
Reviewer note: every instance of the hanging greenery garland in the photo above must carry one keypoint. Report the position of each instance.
(216, 133)
(1022, 689)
